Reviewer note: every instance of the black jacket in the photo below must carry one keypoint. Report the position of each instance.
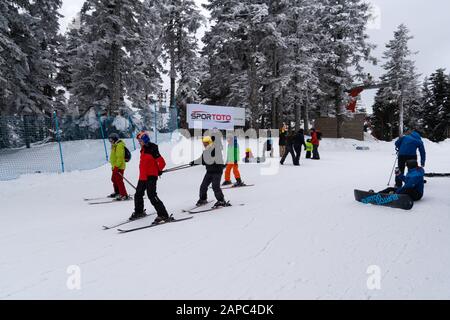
(283, 138)
(212, 163)
(290, 141)
(299, 140)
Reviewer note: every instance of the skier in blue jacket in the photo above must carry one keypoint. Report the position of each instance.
(413, 181)
(406, 147)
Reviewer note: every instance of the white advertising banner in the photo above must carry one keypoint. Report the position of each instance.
(200, 116)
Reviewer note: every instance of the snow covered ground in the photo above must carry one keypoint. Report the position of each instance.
(300, 234)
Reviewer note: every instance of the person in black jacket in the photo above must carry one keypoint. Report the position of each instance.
(289, 148)
(283, 140)
(212, 159)
(299, 141)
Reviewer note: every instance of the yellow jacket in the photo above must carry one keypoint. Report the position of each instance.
(117, 158)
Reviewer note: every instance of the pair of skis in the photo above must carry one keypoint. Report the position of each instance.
(105, 200)
(232, 186)
(191, 211)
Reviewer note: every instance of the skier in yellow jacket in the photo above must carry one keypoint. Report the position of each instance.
(118, 164)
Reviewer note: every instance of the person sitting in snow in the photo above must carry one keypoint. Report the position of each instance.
(151, 167)
(413, 182)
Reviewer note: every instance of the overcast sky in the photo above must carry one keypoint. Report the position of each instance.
(427, 20)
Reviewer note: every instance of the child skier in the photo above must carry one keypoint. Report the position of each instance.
(150, 168)
(213, 161)
(232, 163)
(117, 160)
(309, 149)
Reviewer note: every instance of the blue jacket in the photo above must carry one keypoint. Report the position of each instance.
(408, 145)
(413, 180)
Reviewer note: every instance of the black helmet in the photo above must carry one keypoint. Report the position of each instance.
(114, 137)
(412, 164)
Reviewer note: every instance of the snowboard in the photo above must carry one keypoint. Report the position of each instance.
(437, 175)
(398, 201)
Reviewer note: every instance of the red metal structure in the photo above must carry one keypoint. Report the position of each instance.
(357, 90)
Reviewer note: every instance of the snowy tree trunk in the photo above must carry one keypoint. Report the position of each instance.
(297, 113)
(253, 98)
(339, 115)
(116, 85)
(116, 78)
(173, 76)
(402, 115)
(275, 110)
(306, 113)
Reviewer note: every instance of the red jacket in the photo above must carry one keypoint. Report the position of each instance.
(314, 139)
(152, 163)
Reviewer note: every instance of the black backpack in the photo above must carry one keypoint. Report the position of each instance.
(127, 155)
(319, 135)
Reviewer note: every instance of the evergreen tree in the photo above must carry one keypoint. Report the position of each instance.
(28, 43)
(345, 46)
(181, 20)
(117, 56)
(436, 106)
(402, 92)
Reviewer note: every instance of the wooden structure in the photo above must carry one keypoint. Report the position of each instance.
(351, 129)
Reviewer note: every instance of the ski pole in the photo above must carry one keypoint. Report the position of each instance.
(179, 167)
(186, 166)
(128, 181)
(393, 168)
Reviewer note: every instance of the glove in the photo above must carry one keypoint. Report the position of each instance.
(236, 162)
(160, 173)
(397, 172)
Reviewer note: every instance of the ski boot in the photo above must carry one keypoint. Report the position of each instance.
(226, 183)
(161, 220)
(113, 195)
(123, 198)
(136, 216)
(201, 203)
(222, 203)
(239, 183)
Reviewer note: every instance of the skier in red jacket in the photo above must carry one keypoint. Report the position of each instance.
(315, 140)
(150, 168)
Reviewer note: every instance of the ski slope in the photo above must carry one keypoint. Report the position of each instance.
(300, 234)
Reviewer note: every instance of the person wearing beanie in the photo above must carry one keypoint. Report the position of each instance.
(118, 164)
(413, 182)
(151, 167)
(213, 161)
